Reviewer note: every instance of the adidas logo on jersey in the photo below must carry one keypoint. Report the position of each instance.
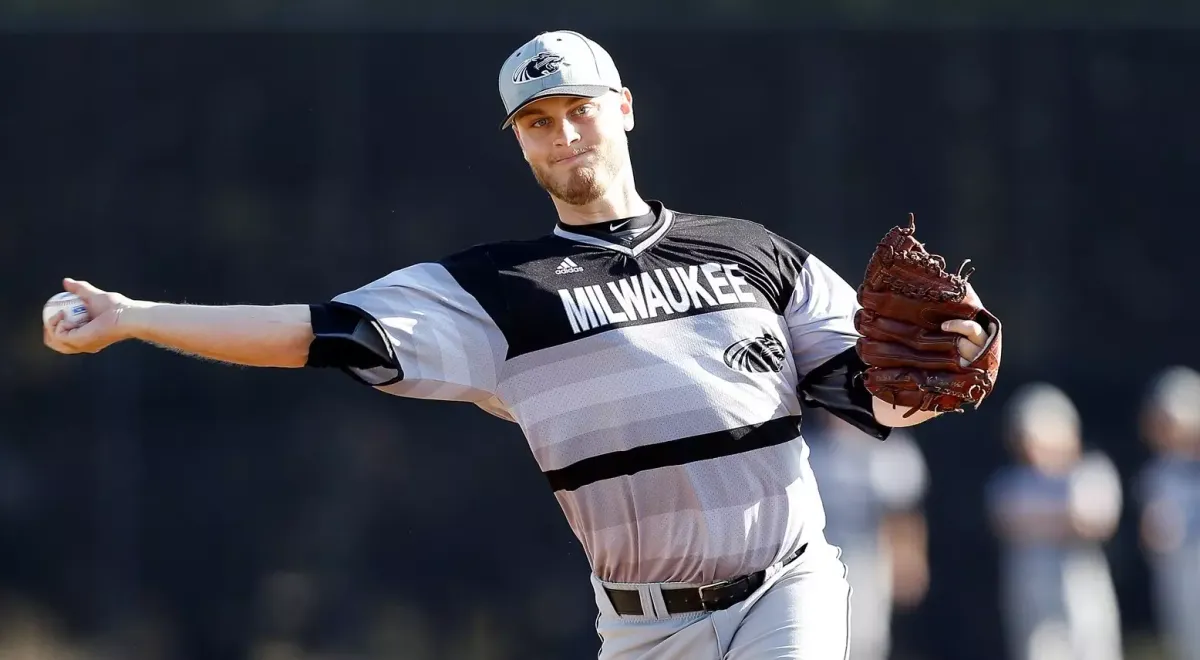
(568, 266)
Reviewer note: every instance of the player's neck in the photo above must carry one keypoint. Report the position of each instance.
(619, 201)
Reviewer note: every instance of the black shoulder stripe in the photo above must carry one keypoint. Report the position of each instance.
(790, 258)
(474, 270)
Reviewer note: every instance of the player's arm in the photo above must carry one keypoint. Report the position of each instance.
(428, 331)
(819, 307)
(889, 415)
(250, 335)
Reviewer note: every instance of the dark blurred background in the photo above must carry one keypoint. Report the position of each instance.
(156, 507)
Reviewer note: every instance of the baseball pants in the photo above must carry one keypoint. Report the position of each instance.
(801, 611)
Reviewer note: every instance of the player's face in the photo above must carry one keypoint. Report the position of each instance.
(576, 147)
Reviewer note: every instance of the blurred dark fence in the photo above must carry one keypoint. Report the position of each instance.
(169, 508)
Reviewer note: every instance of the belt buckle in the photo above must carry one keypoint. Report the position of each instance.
(704, 602)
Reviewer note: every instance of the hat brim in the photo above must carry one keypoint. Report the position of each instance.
(581, 91)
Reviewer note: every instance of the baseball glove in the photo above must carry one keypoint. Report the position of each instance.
(911, 362)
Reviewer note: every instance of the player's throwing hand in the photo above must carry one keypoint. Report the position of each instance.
(101, 330)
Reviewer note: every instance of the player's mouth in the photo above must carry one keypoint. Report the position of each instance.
(577, 156)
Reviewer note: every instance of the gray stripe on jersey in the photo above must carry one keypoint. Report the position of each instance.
(820, 316)
(447, 345)
(699, 522)
(733, 557)
(648, 384)
(647, 375)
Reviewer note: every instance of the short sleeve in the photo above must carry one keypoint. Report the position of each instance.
(819, 309)
(447, 346)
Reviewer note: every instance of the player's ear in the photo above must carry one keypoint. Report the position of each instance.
(627, 108)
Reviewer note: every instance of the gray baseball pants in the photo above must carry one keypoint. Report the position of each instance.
(802, 611)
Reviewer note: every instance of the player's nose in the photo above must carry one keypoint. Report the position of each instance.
(567, 134)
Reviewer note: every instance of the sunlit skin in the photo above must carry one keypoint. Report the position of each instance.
(579, 153)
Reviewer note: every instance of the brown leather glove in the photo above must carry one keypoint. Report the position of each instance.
(906, 296)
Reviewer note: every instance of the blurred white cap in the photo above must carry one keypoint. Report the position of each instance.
(1043, 412)
(1176, 392)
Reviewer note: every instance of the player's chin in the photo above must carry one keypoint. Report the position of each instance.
(574, 174)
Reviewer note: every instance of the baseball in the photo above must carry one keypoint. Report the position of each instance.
(75, 310)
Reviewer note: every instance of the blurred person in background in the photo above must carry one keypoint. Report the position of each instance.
(1052, 511)
(872, 493)
(1168, 490)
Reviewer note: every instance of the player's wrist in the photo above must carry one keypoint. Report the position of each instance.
(134, 319)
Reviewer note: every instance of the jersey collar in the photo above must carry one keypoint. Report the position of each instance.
(642, 243)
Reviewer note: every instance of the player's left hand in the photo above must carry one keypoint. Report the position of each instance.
(974, 338)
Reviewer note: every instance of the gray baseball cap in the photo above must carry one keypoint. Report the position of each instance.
(561, 63)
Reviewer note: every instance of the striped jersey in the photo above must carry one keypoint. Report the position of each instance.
(657, 377)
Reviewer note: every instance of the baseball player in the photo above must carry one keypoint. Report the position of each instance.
(654, 359)
(1169, 494)
(1052, 511)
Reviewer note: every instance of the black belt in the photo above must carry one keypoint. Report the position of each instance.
(709, 598)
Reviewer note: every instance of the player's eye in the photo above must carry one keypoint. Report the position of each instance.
(586, 109)
(539, 123)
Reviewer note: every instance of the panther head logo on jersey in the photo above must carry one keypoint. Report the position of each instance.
(757, 355)
(539, 66)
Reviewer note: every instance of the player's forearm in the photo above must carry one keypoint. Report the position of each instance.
(251, 335)
(893, 416)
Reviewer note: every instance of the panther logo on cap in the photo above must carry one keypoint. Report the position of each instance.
(539, 66)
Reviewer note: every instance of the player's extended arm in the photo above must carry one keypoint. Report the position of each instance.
(250, 335)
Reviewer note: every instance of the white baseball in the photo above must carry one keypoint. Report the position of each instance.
(75, 310)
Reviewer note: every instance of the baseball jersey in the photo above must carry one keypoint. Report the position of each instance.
(1171, 484)
(657, 376)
